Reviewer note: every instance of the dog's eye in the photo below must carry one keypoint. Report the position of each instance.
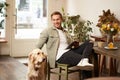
(42, 53)
(38, 53)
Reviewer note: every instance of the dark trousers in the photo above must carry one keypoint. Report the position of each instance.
(73, 56)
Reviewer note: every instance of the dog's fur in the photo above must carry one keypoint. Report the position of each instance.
(37, 65)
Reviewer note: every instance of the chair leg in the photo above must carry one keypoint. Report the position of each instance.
(65, 68)
(48, 72)
(60, 73)
(80, 75)
(66, 73)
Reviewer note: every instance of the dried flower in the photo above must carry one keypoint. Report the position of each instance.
(110, 28)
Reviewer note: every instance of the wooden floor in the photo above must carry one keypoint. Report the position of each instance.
(12, 69)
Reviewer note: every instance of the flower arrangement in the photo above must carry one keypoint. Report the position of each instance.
(110, 28)
(109, 25)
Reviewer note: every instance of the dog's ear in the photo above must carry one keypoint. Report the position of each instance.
(31, 57)
(44, 54)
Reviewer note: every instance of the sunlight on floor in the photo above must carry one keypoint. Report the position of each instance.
(23, 60)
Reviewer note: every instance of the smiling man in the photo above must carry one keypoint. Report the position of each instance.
(57, 40)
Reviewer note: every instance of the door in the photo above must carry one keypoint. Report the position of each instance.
(29, 20)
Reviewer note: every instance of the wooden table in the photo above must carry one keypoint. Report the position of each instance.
(112, 53)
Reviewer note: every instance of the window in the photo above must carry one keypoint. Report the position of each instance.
(3, 5)
(31, 18)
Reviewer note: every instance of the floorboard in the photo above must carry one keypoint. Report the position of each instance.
(11, 69)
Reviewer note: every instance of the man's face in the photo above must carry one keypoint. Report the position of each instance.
(56, 20)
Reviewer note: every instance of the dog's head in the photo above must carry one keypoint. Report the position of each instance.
(37, 57)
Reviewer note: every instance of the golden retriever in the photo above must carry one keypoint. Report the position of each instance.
(37, 65)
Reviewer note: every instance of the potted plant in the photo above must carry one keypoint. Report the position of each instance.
(3, 6)
(77, 28)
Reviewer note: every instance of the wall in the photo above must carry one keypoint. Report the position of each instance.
(91, 9)
(55, 5)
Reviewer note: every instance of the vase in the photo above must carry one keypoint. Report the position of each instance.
(110, 38)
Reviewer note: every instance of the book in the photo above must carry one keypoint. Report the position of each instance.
(72, 45)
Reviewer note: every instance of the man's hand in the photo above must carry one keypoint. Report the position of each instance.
(74, 44)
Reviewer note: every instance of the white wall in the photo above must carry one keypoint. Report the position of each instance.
(91, 9)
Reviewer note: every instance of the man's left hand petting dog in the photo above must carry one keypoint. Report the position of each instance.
(37, 65)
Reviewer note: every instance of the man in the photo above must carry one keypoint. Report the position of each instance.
(57, 40)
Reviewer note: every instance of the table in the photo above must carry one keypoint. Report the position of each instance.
(3, 40)
(114, 54)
